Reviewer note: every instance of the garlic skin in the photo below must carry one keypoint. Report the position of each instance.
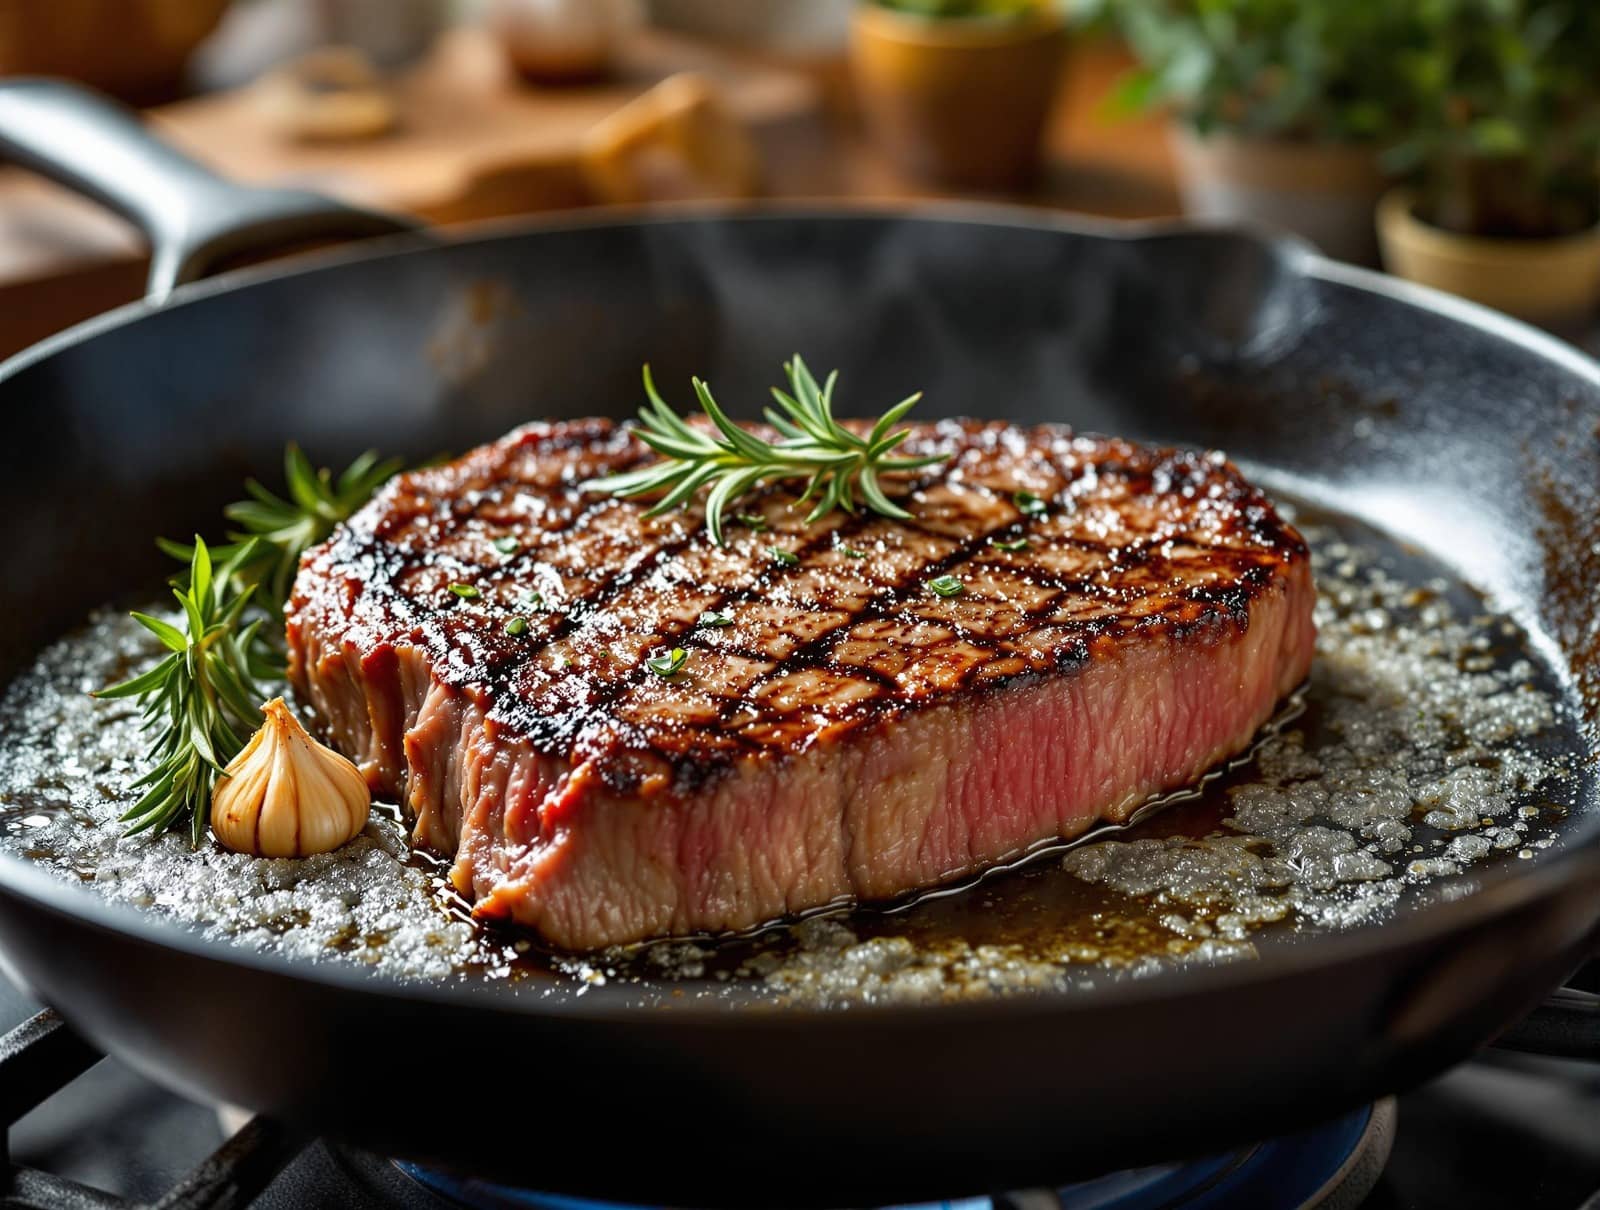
(287, 795)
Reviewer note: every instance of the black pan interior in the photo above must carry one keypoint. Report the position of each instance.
(1479, 450)
(1488, 459)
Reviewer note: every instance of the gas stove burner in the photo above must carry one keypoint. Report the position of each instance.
(1332, 1167)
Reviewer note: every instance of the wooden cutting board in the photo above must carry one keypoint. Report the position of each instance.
(472, 141)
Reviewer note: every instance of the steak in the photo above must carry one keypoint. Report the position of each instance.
(495, 646)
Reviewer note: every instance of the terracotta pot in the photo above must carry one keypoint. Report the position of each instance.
(561, 41)
(1324, 192)
(133, 49)
(1552, 282)
(958, 102)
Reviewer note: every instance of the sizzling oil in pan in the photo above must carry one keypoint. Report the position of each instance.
(1429, 744)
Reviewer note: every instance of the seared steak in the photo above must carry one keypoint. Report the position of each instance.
(838, 728)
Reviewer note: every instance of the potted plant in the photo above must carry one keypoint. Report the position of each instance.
(1280, 107)
(958, 91)
(1503, 155)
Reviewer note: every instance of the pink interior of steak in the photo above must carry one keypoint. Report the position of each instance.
(849, 732)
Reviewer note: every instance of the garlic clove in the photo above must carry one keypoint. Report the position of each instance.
(287, 795)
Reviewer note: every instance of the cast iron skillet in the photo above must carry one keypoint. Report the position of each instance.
(145, 420)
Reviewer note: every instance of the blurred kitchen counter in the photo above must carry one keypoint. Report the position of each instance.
(475, 144)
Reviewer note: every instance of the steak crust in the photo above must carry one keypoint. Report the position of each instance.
(838, 730)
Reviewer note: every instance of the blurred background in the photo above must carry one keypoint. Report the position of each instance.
(1455, 142)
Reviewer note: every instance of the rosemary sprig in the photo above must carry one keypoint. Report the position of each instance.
(729, 461)
(281, 530)
(201, 699)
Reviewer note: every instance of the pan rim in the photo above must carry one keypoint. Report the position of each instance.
(1502, 897)
(1500, 893)
(1295, 252)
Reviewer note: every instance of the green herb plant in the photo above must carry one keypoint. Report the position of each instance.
(1318, 70)
(1502, 107)
(1492, 107)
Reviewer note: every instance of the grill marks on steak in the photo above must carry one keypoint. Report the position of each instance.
(1159, 612)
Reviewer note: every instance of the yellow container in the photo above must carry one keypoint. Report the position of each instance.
(1553, 282)
(959, 102)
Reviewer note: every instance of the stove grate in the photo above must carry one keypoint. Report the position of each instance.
(42, 1056)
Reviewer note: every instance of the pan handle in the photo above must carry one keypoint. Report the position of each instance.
(193, 218)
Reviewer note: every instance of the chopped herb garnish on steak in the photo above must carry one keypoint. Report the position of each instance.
(850, 552)
(1013, 546)
(465, 591)
(754, 521)
(507, 546)
(787, 557)
(715, 617)
(947, 586)
(1028, 504)
(669, 663)
(534, 601)
(517, 625)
